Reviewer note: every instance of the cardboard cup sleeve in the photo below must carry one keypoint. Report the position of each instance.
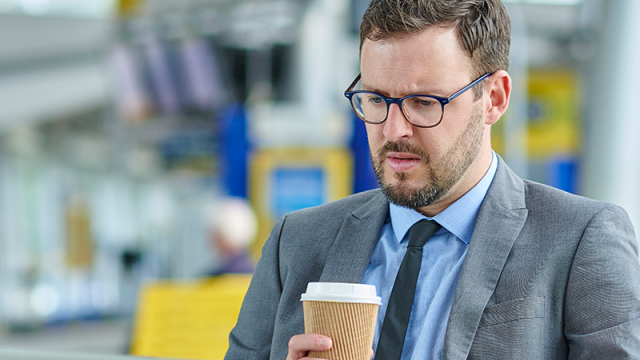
(346, 313)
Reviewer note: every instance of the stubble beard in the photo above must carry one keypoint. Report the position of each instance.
(441, 177)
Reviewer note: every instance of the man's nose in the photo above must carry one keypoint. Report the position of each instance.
(396, 126)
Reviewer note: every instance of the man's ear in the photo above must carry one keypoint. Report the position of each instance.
(498, 89)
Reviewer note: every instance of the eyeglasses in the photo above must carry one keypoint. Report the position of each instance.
(424, 111)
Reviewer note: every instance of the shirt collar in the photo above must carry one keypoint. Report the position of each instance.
(459, 218)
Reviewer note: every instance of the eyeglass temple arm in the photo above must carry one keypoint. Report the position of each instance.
(474, 83)
(353, 84)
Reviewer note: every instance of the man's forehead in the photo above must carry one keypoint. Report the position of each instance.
(428, 57)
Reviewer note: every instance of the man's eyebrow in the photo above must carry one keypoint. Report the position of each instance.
(373, 89)
(381, 92)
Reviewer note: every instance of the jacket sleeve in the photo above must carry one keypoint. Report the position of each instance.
(251, 338)
(602, 306)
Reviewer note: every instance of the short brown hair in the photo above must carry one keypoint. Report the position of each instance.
(483, 26)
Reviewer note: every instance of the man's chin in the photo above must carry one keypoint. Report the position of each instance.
(411, 194)
(404, 181)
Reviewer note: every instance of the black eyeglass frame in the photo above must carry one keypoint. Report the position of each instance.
(349, 93)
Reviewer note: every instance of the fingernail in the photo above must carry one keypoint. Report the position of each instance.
(325, 342)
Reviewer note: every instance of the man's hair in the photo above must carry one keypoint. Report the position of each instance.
(483, 26)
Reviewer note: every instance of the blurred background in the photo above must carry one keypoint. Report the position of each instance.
(123, 121)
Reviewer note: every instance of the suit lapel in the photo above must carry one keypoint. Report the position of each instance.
(499, 222)
(352, 249)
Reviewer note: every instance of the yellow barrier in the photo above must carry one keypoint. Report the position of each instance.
(188, 320)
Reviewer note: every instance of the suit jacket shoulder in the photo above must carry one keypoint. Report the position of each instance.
(546, 276)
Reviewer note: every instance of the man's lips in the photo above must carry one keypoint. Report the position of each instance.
(402, 162)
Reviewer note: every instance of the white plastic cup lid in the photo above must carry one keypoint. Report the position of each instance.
(341, 292)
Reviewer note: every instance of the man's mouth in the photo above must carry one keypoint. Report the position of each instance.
(402, 162)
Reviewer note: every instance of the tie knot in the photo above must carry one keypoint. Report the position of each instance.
(422, 231)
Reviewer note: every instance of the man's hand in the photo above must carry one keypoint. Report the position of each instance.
(300, 345)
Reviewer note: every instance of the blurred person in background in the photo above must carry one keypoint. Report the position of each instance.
(231, 230)
(512, 269)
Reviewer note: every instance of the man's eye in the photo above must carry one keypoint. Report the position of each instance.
(376, 100)
(423, 102)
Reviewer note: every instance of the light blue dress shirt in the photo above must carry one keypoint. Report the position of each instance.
(442, 260)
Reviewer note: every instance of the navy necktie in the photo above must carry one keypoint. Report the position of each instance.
(396, 320)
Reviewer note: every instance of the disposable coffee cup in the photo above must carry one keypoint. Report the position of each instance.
(344, 312)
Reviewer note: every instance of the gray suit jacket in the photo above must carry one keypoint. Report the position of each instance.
(547, 275)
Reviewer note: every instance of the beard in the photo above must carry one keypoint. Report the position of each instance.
(441, 177)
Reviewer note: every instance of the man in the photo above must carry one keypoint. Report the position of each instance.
(518, 270)
(231, 229)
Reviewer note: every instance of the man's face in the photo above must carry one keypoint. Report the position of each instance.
(425, 169)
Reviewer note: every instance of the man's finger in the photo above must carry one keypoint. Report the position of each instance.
(300, 345)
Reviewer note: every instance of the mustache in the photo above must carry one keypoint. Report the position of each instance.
(404, 147)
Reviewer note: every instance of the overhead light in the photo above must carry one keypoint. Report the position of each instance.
(75, 8)
(35, 7)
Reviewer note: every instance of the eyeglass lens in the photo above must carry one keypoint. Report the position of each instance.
(419, 110)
